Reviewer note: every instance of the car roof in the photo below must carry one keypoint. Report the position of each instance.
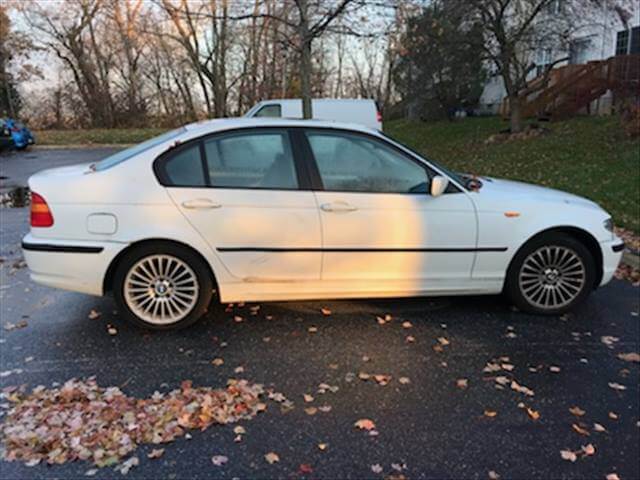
(220, 124)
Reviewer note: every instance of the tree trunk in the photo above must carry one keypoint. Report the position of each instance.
(515, 114)
(305, 54)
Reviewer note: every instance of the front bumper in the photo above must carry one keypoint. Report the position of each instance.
(611, 256)
(71, 265)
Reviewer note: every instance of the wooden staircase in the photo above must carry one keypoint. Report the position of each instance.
(571, 88)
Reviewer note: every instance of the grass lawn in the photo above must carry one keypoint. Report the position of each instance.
(98, 136)
(587, 156)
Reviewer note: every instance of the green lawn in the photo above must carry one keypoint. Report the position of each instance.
(97, 136)
(587, 156)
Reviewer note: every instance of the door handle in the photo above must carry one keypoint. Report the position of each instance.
(200, 204)
(338, 207)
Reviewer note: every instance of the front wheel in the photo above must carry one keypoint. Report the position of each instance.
(162, 286)
(550, 275)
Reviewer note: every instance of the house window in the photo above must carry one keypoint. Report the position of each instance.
(544, 60)
(624, 46)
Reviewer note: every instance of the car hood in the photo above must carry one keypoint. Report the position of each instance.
(510, 190)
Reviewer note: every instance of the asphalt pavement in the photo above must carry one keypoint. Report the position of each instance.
(430, 424)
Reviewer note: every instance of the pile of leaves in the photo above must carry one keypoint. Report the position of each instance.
(81, 420)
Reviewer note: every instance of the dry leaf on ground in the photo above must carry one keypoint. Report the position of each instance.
(272, 457)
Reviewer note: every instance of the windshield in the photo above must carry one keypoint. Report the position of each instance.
(455, 176)
(136, 149)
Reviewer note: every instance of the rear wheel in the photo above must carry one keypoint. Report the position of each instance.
(162, 286)
(550, 275)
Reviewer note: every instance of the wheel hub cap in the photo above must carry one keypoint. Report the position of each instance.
(161, 289)
(552, 277)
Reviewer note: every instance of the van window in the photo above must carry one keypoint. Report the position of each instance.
(273, 110)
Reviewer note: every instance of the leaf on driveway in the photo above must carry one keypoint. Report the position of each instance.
(127, 465)
(313, 329)
(307, 398)
(599, 428)
(629, 357)
(533, 414)
(568, 455)
(521, 388)
(462, 383)
(612, 476)
(365, 424)
(272, 457)
(325, 311)
(217, 361)
(94, 314)
(578, 429)
(410, 339)
(493, 475)
(617, 386)
(219, 460)
(305, 469)
(377, 468)
(112, 331)
(490, 413)
(554, 369)
(404, 380)
(310, 410)
(322, 446)
(613, 416)
(589, 450)
(406, 325)
(382, 379)
(155, 453)
(443, 341)
(608, 340)
(238, 319)
(577, 411)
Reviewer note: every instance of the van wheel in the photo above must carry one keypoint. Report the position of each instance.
(162, 286)
(550, 275)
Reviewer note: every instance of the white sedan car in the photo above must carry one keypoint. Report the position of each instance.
(259, 210)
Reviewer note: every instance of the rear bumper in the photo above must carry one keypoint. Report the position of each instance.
(611, 256)
(71, 265)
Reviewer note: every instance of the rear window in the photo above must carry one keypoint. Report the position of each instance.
(136, 149)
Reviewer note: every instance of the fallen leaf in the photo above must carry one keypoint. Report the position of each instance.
(521, 388)
(410, 339)
(599, 428)
(322, 446)
(613, 416)
(577, 411)
(272, 457)
(112, 331)
(589, 450)
(377, 468)
(493, 475)
(533, 413)
(404, 380)
(305, 469)
(94, 314)
(325, 311)
(239, 430)
(382, 379)
(462, 383)
(612, 476)
(406, 325)
(238, 319)
(608, 340)
(311, 410)
(617, 386)
(91, 472)
(217, 361)
(580, 430)
(155, 453)
(239, 369)
(219, 460)
(313, 329)
(568, 455)
(554, 369)
(307, 398)
(365, 424)
(443, 341)
(629, 357)
(490, 413)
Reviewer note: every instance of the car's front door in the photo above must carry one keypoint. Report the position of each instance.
(380, 225)
(242, 191)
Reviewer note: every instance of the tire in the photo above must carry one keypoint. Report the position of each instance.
(162, 286)
(550, 274)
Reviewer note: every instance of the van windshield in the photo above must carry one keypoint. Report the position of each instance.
(126, 154)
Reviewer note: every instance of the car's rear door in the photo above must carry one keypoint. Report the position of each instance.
(380, 225)
(245, 194)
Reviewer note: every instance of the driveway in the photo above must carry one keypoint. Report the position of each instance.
(437, 414)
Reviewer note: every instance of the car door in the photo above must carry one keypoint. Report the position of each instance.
(379, 222)
(245, 195)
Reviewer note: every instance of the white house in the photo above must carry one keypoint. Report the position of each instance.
(599, 39)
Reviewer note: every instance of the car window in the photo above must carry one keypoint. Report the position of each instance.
(354, 163)
(184, 168)
(269, 111)
(251, 160)
(136, 149)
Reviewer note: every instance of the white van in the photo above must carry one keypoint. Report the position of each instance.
(346, 110)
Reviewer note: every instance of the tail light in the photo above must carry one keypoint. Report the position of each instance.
(40, 213)
(378, 116)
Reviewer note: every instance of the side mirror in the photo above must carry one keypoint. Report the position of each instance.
(438, 185)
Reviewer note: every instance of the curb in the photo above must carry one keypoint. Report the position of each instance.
(76, 146)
